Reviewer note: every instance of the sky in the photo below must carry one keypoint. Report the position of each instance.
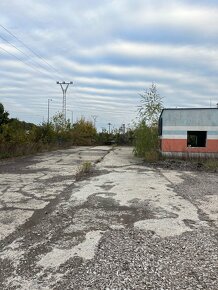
(112, 51)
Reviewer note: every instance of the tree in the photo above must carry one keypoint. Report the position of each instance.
(59, 123)
(151, 106)
(3, 115)
(84, 133)
(146, 131)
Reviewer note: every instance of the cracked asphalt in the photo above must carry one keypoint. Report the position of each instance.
(123, 226)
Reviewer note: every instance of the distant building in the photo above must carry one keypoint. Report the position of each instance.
(189, 132)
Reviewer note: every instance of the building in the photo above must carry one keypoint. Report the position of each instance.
(189, 132)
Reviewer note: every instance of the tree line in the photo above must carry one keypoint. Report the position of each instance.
(21, 138)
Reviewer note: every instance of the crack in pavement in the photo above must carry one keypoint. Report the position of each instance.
(90, 224)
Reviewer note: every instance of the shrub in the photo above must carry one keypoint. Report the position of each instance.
(146, 139)
(83, 170)
(83, 133)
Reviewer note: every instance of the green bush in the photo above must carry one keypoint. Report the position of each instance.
(21, 138)
(44, 133)
(83, 133)
(146, 141)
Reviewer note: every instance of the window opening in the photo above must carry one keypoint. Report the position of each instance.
(196, 138)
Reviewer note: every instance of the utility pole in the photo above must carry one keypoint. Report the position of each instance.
(94, 119)
(64, 86)
(49, 100)
(109, 127)
(71, 116)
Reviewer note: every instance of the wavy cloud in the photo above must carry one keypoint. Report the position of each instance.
(112, 50)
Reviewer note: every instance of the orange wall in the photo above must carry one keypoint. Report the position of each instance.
(180, 145)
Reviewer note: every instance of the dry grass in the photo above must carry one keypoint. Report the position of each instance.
(211, 164)
(152, 156)
(83, 170)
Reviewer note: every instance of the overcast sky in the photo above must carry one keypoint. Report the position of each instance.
(111, 50)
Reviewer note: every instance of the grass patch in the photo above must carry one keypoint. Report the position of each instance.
(211, 164)
(5, 155)
(84, 169)
(152, 156)
(188, 164)
(204, 163)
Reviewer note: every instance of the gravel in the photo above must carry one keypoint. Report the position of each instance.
(120, 257)
(184, 165)
(133, 259)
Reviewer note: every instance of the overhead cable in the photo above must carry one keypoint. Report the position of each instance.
(30, 49)
(28, 64)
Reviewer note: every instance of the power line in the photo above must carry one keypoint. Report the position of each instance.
(18, 49)
(18, 58)
(26, 55)
(30, 49)
(14, 46)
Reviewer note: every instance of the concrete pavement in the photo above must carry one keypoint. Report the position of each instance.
(54, 229)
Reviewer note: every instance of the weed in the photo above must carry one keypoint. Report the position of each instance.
(5, 155)
(86, 166)
(146, 142)
(84, 169)
(211, 164)
(152, 156)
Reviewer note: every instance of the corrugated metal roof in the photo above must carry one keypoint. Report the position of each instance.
(179, 109)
